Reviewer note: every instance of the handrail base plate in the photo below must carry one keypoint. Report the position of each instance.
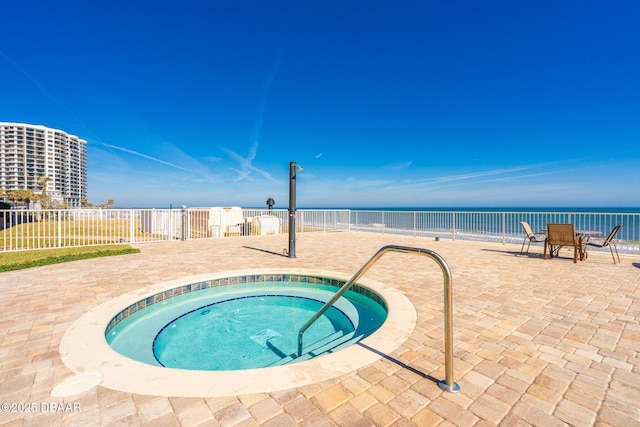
(444, 386)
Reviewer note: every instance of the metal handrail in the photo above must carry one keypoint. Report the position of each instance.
(447, 384)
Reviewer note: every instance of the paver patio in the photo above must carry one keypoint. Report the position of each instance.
(536, 342)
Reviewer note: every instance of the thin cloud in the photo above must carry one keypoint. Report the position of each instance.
(46, 92)
(242, 175)
(495, 172)
(245, 163)
(475, 175)
(506, 179)
(469, 178)
(126, 150)
(399, 166)
(30, 77)
(513, 178)
(264, 98)
(317, 156)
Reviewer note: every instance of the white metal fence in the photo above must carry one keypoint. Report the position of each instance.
(501, 227)
(39, 229)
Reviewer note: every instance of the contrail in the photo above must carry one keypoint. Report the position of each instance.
(398, 166)
(46, 92)
(34, 81)
(242, 175)
(126, 150)
(246, 165)
(465, 177)
(262, 106)
(477, 174)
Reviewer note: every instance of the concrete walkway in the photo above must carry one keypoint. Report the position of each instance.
(542, 343)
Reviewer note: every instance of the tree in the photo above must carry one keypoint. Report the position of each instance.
(43, 180)
(85, 203)
(25, 196)
(106, 205)
(48, 203)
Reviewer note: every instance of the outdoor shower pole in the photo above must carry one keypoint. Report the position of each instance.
(183, 223)
(292, 209)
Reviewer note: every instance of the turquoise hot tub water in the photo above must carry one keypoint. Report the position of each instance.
(243, 322)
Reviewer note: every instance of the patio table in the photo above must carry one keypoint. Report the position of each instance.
(583, 237)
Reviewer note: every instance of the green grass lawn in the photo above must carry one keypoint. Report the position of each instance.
(35, 258)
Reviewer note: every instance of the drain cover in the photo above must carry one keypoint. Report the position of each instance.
(77, 384)
(265, 336)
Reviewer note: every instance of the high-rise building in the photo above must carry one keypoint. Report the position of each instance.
(30, 152)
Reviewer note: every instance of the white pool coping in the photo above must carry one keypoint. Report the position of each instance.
(84, 349)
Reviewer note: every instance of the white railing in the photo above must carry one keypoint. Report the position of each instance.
(502, 227)
(39, 229)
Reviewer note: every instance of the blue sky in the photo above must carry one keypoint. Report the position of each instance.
(384, 104)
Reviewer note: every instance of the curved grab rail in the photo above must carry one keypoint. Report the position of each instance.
(447, 384)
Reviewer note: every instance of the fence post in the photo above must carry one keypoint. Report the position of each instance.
(132, 228)
(184, 222)
(415, 225)
(59, 230)
(453, 226)
(503, 228)
(300, 218)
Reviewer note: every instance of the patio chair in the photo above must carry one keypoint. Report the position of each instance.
(608, 242)
(531, 237)
(559, 235)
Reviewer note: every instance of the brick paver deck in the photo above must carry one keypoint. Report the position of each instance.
(537, 342)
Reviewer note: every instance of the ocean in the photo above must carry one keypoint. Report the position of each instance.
(498, 209)
(492, 223)
(499, 222)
